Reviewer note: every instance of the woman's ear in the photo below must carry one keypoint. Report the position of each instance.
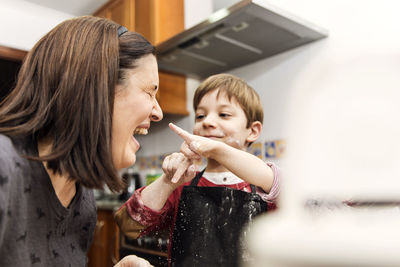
(255, 128)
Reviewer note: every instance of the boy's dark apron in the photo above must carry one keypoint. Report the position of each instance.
(209, 225)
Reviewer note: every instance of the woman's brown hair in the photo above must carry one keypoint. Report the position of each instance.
(65, 93)
(235, 87)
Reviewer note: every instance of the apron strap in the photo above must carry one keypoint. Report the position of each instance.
(253, 188)
(196, 179)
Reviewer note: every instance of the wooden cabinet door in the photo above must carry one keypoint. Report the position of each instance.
(120, 11)
(172, 94)
(105, 245)
(123, 13)
(159, 20)
(103, 13)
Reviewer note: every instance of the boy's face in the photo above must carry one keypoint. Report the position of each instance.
(222, 120)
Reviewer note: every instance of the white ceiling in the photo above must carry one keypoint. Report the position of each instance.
(73, 7)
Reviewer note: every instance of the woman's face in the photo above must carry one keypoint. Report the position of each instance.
(135, 106)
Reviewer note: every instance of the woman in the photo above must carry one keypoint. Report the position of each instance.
(83, 92)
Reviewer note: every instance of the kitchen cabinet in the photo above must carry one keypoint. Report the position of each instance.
(157, 20)
(104, 251)
(173, 100)
(119, 11)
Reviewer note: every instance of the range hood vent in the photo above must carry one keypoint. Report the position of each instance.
(234, 37)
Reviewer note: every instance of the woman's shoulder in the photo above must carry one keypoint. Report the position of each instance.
(7, 164)
(20, 145)
(5, 140)
(11, 151)
(14, 143)
(7, 149)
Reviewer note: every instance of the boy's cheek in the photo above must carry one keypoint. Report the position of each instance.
(196, 130)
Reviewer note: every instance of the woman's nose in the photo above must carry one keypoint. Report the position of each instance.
(156, 114)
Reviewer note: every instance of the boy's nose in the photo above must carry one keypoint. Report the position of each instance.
(209, 121)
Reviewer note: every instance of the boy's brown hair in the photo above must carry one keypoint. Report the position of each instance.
(235, 87)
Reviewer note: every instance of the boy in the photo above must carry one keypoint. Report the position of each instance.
(206, 213)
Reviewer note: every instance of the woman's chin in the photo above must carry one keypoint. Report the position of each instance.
(126, 162)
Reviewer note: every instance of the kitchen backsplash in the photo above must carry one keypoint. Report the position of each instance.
(267, 151)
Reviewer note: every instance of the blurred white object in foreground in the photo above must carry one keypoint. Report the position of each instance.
(344, 145)
(344, 238)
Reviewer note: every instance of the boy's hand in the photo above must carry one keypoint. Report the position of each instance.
(194, 146)
(178, 169)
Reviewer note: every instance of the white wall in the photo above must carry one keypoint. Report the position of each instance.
(22, 23)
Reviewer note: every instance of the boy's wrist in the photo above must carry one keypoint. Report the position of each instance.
(215, 150)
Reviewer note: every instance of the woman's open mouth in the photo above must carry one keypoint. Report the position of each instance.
(141, 131)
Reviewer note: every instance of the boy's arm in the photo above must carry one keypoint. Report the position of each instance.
(147, 208)
(136, 219)
(243, 164)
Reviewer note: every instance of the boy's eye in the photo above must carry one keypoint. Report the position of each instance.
(199, 117)
(224, 115)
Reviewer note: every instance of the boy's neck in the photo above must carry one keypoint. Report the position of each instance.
(214, 166)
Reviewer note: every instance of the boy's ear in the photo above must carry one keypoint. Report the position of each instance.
(255, 128)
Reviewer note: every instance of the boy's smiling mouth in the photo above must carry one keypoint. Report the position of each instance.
(215, 137)
(215, 134)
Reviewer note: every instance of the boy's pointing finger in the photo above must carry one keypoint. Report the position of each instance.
(189, 140)
(182, 133)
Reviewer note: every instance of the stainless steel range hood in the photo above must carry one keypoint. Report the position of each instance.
(234, 37)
